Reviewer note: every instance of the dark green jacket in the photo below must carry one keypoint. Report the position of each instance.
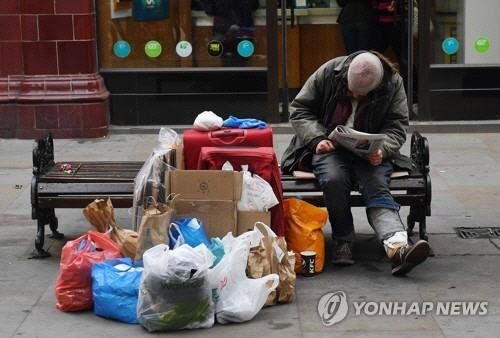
(387, 107)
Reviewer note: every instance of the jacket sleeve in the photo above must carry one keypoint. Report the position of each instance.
(305, 110)
(396, 123)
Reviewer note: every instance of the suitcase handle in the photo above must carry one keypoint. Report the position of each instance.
(228, 136)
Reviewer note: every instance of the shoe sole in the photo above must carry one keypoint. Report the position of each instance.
(415, 256)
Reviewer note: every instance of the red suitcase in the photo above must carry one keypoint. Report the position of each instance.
(195, 139)
(261, 161)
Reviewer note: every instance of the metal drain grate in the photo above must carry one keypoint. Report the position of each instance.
(478, 232)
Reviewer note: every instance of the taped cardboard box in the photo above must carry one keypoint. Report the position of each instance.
(219, 217)
(247, 219)
(217, 185)
(209, 195)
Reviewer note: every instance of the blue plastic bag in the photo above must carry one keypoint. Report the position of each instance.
(234, 122)
(217, 248)
(187, 231)
(115, 289)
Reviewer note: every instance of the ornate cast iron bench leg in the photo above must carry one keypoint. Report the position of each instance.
(43, 160)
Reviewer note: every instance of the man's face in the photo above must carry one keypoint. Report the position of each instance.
(356, 96)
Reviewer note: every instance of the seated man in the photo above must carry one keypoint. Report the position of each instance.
(363, 91)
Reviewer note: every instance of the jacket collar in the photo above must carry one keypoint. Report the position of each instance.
(347, 60)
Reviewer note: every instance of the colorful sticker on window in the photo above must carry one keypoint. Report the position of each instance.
(152, 49)
(482, 45)
(450, 46)
(245, 48)
(121, 49)
(183, 49)
(215, 48)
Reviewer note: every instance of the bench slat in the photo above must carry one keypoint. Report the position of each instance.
(67, 201)
(85, 188)
(313, 185)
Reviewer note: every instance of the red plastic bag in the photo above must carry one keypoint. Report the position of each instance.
(74, 284)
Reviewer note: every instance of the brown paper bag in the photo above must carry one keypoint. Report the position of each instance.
(100, 214)
(286, 287)
(126, 240)
(262, 261)
(153, 229)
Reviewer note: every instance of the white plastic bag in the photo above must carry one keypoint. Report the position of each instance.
(256, 194)
(149, 184)
(175, 292)
(238, 298)
(207, 120)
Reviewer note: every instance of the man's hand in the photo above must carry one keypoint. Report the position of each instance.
(325, 146)
(375, 158)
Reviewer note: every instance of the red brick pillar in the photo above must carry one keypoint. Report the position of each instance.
(48, 70)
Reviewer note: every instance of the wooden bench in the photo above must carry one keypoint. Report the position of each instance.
(51, 188)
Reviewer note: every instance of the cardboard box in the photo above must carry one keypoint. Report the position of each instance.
(209, 195)
(211, 185)
(247, 219)
(219, 217)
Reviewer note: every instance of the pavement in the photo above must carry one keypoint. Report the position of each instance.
(466, 189)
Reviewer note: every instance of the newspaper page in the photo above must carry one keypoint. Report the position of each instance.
(358, 142)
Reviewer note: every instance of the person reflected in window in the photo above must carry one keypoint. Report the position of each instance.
(358, 23)
(392, 30)
(233, 23)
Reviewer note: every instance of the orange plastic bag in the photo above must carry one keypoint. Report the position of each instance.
(74, 284)
(303, 230)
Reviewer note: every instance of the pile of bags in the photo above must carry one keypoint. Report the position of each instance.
(184, 287)
(167, 274)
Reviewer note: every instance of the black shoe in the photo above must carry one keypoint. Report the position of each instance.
(407, 257)
(343, 254)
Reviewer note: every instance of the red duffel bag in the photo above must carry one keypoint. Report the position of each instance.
(74, 283)
(261, 161)
(194, 140)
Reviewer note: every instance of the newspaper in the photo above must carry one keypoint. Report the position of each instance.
(359, 143)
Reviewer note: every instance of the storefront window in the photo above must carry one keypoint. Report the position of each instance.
(182, 33)
(465, 32)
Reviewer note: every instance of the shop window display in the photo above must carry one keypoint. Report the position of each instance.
(181, 33)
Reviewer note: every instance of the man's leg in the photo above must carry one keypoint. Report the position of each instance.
(332, 171)
(383, 215)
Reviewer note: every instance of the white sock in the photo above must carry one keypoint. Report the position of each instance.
(394, 242)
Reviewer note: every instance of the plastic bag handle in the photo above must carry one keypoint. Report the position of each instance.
(115, 269)
(88, 243)
(274, 278)
(180, 240)
(264, 229)
(110, 229)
